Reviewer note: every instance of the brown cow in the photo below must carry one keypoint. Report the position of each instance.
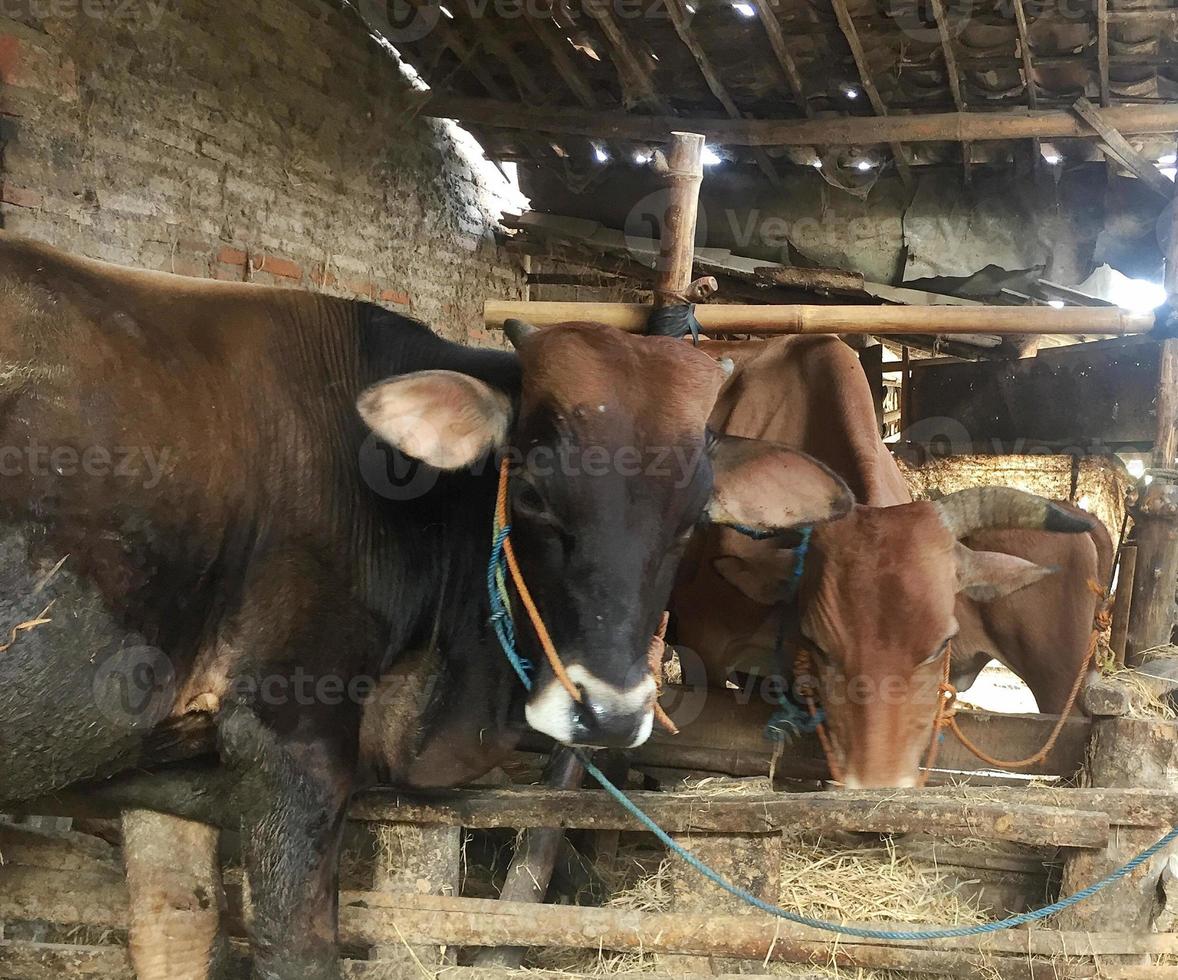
(886, 588)
(196, 520)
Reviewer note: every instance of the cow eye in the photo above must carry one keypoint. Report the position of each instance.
(941, 651)
(527, 500)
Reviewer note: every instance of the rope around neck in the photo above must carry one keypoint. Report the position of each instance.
(505, 631)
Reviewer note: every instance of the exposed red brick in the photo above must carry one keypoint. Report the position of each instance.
(278, 267)
(22, 197)
(323, 279)
(358, 287)
(231, 256)
(398, 296)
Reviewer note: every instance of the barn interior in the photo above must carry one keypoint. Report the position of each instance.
(977, 196)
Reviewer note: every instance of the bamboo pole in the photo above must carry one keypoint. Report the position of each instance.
(845, 131)
(771, 320)
(683, 173)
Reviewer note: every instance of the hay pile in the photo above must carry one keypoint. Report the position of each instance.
(820, 878)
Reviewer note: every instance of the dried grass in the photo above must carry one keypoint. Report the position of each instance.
(819, 878)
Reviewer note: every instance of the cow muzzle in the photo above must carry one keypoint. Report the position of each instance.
(606, 717)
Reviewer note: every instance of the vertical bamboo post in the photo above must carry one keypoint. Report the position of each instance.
(683, 173)
(1151, 618)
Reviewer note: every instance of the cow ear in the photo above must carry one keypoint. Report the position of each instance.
(988, 575)
(446, 419)
(766, 487)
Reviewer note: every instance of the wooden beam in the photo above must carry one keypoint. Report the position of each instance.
(847, 26)
(954, 75)
(680, 21)
(844, 131)
(903, 812)
(1116, 146)
(1024, 46)
(1102, 50)
(789, 65)
(773, 320)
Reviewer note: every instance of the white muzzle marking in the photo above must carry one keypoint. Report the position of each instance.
(554, 712)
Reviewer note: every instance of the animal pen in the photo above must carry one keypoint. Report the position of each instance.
(538, 873)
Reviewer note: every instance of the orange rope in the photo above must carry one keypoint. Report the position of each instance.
(558, 668)
(1100, 625)
(947, 706)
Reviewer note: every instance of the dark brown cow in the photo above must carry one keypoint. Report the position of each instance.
(194, 519)
(887, 587)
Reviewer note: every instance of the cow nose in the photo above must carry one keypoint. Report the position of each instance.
(605, 715)
(602, 726)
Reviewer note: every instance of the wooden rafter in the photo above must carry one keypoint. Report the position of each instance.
(847, 26)
(1115, 145)
(1024, 47)
(1102, 50)
(527, 86)
(842, 131)
(634, 76)
(558, 49)
(953, 73)
(789, 65)
(680, 21)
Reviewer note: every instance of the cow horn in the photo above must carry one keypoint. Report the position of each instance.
(727, 365)
(518, 331)
(979, 508)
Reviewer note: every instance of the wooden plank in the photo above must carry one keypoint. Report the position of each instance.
(369, 917)
(1123, 603)
(843, 131)
(847, 26)
(1024, 44)
(1034, 399)
(1120, 149)
(37, 961)
(902, 812)
(880, 320)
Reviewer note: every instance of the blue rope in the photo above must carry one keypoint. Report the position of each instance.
(791, 720)
(504, 629)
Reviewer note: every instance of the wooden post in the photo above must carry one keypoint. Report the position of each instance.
(683, 172)
(1124, 753)
(176, 897)
(535, 858)
(417, 859)
(1123, 602)
(1151, 618)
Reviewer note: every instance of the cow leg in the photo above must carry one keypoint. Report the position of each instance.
(293, 802)
(176, 898)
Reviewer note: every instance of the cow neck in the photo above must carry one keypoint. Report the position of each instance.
(423, 558)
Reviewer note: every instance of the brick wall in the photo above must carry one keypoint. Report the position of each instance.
(266, 140)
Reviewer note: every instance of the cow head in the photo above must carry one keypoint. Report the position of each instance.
(612, 466)
(878, 601)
